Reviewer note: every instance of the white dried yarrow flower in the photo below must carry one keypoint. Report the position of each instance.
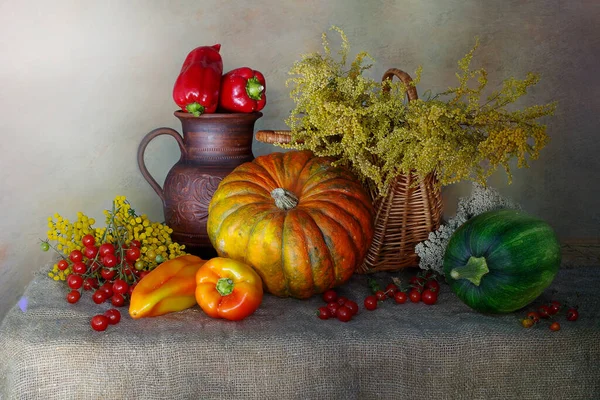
(482, 199)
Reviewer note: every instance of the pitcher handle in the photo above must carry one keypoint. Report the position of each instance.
(142, 148)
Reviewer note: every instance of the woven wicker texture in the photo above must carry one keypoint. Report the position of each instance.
(404, 216)
(283, 351)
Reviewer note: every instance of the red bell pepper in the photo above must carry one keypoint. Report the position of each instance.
(243, 90)
(197, 87)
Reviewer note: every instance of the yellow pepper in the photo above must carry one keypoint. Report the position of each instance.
(170, 287)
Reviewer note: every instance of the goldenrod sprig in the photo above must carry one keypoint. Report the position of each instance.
(369, 126)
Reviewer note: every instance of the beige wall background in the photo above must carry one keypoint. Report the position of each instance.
(81, 82)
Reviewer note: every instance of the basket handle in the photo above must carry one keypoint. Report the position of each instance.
(411, 91)
(268, 136)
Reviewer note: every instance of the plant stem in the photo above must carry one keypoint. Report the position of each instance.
(284, 199)
(224, 286)
(473, 271)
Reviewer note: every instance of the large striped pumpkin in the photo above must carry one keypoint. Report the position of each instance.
(303, 224)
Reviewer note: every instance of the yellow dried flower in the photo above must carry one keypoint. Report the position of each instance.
(341, 113)
(125, 225)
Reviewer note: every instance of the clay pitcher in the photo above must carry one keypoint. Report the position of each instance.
(212, 145)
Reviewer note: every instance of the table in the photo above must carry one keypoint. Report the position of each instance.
(283, 351)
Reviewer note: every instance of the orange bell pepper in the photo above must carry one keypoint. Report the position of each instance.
(228, 289)
(170, 287)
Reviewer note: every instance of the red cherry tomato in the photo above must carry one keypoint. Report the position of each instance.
(414, 295)
(135, 243)
(106, 287)
(74, 281)
(73, 296)
(371, 303)
(79, 267)
(107, 273)
(343, 314)
(555, 326)
(341, 300)
(352, 306)
(113, 315)
(90, 283)
(544, 311)
(380, 295)
(117, 300)
(428, 297)
(88, 240)
(572, 314)
(417, 281)
(132, 254)
(76, 255)
(99, 296)
(323, 312)
(400, 297)
(333, 306)
(109, 260)
(106, 248)
(329, 296)
(120, 286)
(62, 265)
(391, 289)
(99, 322)
(90, 252)
(432, 285)
(553, 308)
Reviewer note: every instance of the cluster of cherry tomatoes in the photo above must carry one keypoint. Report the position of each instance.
(423, 287)
(100, 322)
(110, 272)
(549, 312)
(336, 306)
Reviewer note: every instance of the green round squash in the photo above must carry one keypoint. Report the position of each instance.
(501, 261)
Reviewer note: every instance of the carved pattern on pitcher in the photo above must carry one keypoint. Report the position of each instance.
(190, 198)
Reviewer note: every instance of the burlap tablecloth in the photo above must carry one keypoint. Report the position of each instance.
(283, 351)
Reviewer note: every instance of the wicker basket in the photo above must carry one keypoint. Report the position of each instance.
(404, 216)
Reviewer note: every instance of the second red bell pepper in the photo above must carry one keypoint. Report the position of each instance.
(197, 87)
(243, 90)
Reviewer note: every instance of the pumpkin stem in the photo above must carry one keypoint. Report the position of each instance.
(224, 286)
(473, 271)
(284, 199)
